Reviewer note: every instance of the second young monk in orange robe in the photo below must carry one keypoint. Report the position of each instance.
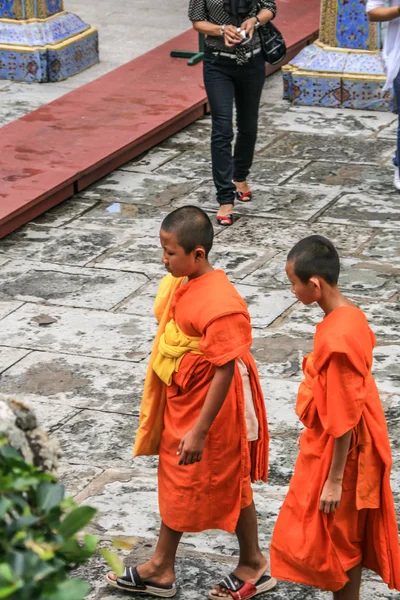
(203, 412)
(339, 514)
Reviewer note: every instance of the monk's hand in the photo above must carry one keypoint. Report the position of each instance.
(191, 448)
(331, 495)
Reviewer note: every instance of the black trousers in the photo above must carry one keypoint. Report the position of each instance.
(226, 81)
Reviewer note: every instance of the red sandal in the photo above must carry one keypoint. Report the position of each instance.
(244, 196)
(225, 221)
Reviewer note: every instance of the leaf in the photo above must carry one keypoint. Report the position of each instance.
(70, 589)
(76, 520)
(6, 592)
(68, 503)
(21, 484)
(44, 571)
(21, 523)
(49, 495)
(6, 573)
(43, 550)
(5, 505)
(123, 544)
(113, 561)
(10, 452)
(91, 542)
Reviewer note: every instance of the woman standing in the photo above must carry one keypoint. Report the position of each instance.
(381, 10)
(234, 68)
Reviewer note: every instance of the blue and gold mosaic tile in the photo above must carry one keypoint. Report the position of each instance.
(51, 46)
(344, 67)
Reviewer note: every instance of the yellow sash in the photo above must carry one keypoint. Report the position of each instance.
(172, 348)
(151, 420)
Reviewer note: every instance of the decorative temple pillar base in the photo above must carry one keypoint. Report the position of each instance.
(344, 67)
(44, 48)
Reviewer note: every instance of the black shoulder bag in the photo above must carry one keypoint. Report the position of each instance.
(272, 43)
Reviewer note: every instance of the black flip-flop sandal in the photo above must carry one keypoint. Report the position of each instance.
(131, 582)
(240, 590)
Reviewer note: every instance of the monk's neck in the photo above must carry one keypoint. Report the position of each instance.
(203, 270)
(332, 298)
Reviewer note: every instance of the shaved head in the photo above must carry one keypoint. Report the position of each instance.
(192, 228)
(315, 256)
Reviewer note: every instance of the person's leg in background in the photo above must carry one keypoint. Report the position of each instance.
(248, 87)
(396, 87)
(220, 92)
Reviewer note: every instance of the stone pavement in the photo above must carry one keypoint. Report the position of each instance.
(76, 292)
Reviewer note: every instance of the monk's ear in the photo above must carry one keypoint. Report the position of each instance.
(199, 253)
(315, 282)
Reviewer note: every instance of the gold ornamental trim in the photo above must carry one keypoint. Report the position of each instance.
(333, 74)
(347, 50)
(327, 33)
(33, 20)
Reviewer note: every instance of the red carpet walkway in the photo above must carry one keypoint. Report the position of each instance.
(64, 146)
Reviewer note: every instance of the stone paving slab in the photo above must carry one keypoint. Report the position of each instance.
(281, 235)
(372, 210)
(359, 277)
(7, 307)
(10, 356)
(138, 255)
(367, 178)
(92, 436)
(283, 202)
(314, 120)
(265, 305)
(140, 188)
(139, 220)
(65, 212)
(383, 318)
(81, 332)
(66, 286)
(384, 246)
(331, 148)
(77, 477)
(74, 382)
(63, 246)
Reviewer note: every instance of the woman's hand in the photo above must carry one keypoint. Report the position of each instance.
(331, 495)
(248, 26)
(231, 36)
(191, 448)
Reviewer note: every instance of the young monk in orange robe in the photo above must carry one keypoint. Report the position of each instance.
(338, 515)
(203, 412)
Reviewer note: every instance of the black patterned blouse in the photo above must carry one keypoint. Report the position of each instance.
(213, 11)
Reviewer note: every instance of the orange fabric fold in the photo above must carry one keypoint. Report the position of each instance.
(338, 394)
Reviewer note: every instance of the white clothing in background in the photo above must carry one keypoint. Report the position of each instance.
(391, 47)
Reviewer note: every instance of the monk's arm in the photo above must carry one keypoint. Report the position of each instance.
(384, 13)
(192, 445)
(332, 490)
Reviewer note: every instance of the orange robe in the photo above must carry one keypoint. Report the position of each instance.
(337, 395)
(211, 493)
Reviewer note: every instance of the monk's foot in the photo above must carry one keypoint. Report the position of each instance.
(242, 186)
(154, 572)
(246, 571)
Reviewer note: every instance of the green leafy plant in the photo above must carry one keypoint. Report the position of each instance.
(38, 534)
